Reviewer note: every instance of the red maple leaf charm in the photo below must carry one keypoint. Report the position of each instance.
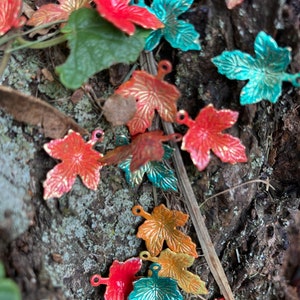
(54, 12)
(78, 158)
(144, 147)
(9, 15)
(205, 134)
(123, 16)
(121, 276)
(151, 93)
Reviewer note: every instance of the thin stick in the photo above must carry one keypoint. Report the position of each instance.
(195, 214)
(266, 182)
(5, 59)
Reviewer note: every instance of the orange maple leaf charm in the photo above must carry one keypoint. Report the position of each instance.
(54, 12)
(161, 226)
(175, 265)
(151, 93)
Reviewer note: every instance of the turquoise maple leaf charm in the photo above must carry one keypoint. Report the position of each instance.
(157, 172)
(155, 287)
(180, 34)
(265, 71)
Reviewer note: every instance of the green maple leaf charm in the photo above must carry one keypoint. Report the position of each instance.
(179, 33)
(155, 287)
(265, 71)
(157, 172)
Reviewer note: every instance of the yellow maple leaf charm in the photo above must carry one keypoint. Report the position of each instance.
(161, 226)
(174, 265)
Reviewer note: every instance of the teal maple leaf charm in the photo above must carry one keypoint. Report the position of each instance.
(179, 33)
(265, 71)
(155, 287)
(157, 172)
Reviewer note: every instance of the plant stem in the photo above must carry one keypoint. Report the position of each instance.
(5, 58)
(38, 44)
(7, 38)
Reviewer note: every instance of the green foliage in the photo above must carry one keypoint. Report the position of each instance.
(9, 290)
(96, 45)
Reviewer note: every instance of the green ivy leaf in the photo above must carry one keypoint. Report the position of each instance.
(96, 45)
(9, 290)
(265, 71)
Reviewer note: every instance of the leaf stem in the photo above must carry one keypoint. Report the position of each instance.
(38, 44)
(5, 59)
(7, 38)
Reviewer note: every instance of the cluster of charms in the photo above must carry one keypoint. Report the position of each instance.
(168, 268)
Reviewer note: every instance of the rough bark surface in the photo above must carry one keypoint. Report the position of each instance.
(50, 248)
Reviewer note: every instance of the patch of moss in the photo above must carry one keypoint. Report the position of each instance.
(15, 154)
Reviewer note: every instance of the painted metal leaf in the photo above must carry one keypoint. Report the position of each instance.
(180, 34)
(120, 280)
(124, 16)
(155, 287)
(54, 12)
(144, 148)
(175, 265)
(161, 226)
(265, 71)
(205, 134)
(158, 173)
(9, 15)
(78, 158)
(151, 94)
(233, 3)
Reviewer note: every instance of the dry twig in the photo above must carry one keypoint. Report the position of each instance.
(193, 206)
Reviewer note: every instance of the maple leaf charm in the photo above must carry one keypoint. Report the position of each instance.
(124, 16)
(144, 147)
(54, 12)
(265, 72)
(179, 33)
(9, 15)
(121, 277)
(151, 93)
(155, 287)
(78, 158)
(233, 3)
(175, 265)
(161, 226)
(158, 173)
(205, 134)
